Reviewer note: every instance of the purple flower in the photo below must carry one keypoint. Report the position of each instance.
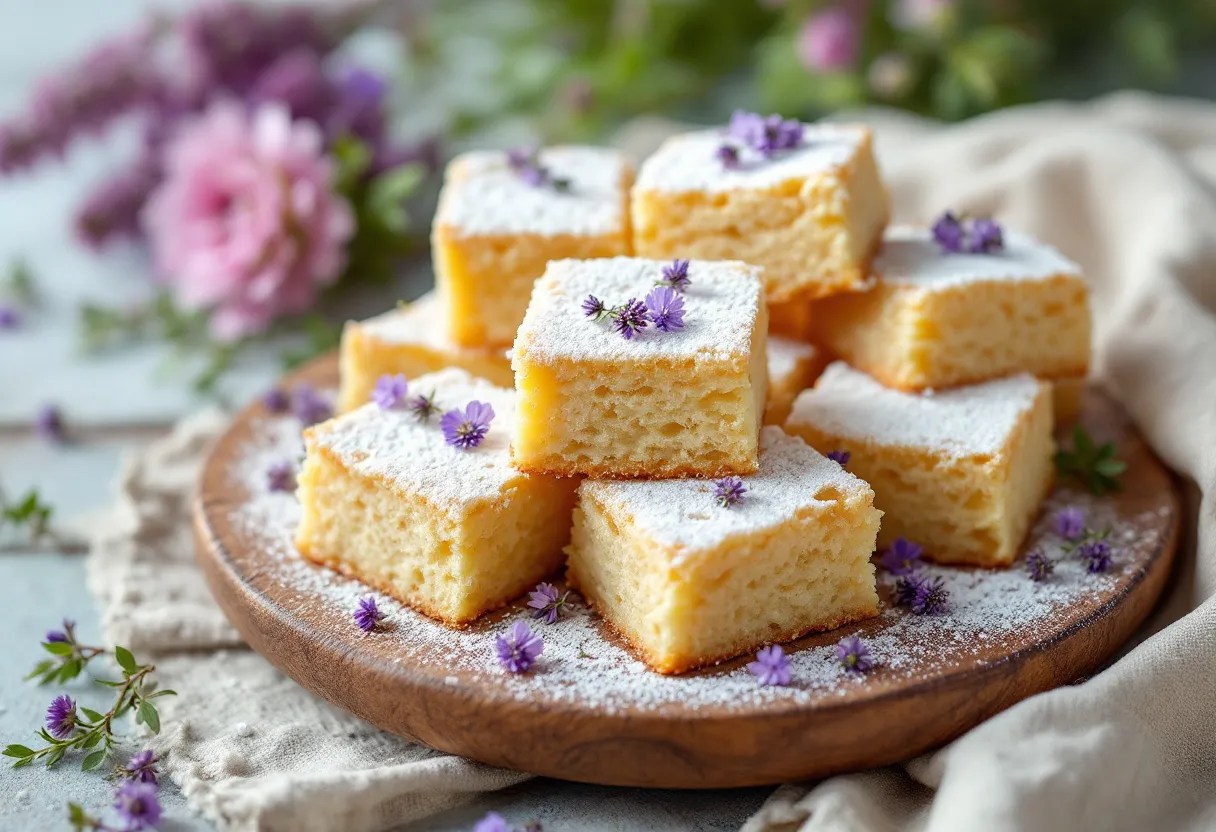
(631, 318)
(548, 602)
(676, 275)
(111, 211)
(10, 318)
(61, 717)
(830, 40)
(841, 458)
(64, 635)
(142, 767)
(467, 430)
(49, 424)
(981, 236)
(729, 491)
(746, 127)
(728, 155)
(924, 595)
(367, 615)
(390, 391)
(1096, 554)
(277, 400)
(423, 407)
(771, 667)
(853, 655)
(986, 237)
(593, 307)
(948, 232)
(526, 164)
(281, 476)
(308, 405)
(902, 558)
(1069, 523)
(1039, 566)
(518, 649)
(492, 822)
(666, 308)
(766, 135)
(135, 801)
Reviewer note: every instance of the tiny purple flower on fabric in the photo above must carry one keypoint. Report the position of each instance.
(1096, 555)
(281, 476)
(367, 615)
(136, 802)
(948, 233)
(924, 595)
(986, 237)
(277, 400)
(1069, 523)
(10, 318)
(902, 558)
(675, 275)
(593, 307)
(841, 458)
(467, 429)
(61, 717)
(728, 155)
(729, 491)
(492, 822)
(518, 649)
(854, 655)
(390, 391)
(630, 319)
(423, 407)
(666, 308)
(771, 667)
(548, 602)
(142, 767)
(1039, 566)
(309, 406)
(49, 424)
(63, 635)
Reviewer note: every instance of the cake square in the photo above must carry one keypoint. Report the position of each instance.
(792, 367)
(937, 319)
(452, 532)
(659, 404)
(812, 216)
(791, 318)
(690, 582)
(495, 229)
(411, 341)
(961, 472)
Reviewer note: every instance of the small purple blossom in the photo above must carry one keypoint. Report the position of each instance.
(986, 237)
(729, 491)
(924, 595)
(142, 767)
(390, 391)
(277, 400)
(728, 155)
(281, 476)
(111, 210)
(948, 232)
(64, 635)
(49, 424)
(136, 802)
(518, 649)
(840, 457)
(467, 429)
(593, 307)
(854, 655)
(492, 822)
(771, 667)
(745, 126)
(666, 308)
(766, 135)
(548, 602)
(979, 236)
(61, 717)
(367, 615)
(527, 165)
(10, 318)
(1069, 523)
(309, 406)
(675, 275)
(1095, 554)
(630, 319)
(902, 558)
(423, 407)
(1039, 566)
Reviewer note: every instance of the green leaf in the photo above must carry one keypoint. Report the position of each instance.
(1110, 467)
(93, 716)
(70, 670)
(1082, 443)
(388, 192)
(92, 739)
(55, 756)
(148, 714)
(109, 683)
(125, 660)
(23, 762)
(93, 760)
(354, 157)
(41, 668)
(165, 692)
(16, 750)
(57, 648)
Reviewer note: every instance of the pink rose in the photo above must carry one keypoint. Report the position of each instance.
(246, 222)
(830, 40)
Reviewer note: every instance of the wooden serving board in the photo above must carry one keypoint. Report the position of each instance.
(589, 711)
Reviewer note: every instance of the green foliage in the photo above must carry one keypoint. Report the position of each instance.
(1094, 465)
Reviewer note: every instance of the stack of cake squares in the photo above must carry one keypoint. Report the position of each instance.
(615, 377)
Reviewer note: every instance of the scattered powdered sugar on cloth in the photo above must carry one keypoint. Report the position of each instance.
(584, 664)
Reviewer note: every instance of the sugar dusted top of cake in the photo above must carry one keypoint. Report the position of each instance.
(413, 456)
(684, 514)
(482, 195)
(417, 323)
(910, 257)
(784, 354)
(720, 308)
(976, 419)
(689, 162)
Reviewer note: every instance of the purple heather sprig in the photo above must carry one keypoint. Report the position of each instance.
(675, 276)
(111, 211)
(728, 155)
(518, 649)
(1039, 565)
(630, 318)
(548, 602)
(137, 804)
(48, 424)
(68, 657)
(1095, 553)
(902, 558)
(467, 429)
(525, 161)
(277, 400)
(309, 406)
(957, 236)
(390, 391)
(61, 717)
(423, 406)
(367, 615)
(141, 767)
(767, 135)
(281, 476)
(840, 457)
(922, 594)
(771, 667)
(854, 655)
(729, 491)
(1069, 523)
(666, 309)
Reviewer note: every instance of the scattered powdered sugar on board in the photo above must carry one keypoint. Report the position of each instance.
(585, 665)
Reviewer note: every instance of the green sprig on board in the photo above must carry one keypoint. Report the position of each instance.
(1096, 466)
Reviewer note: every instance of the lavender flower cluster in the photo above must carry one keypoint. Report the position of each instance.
(766, 135)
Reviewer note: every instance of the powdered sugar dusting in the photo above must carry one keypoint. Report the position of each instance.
(977, 419)
(910, 257)
(720, 310)
(688, 162)
(784, 356)
(482, 195)
(421, 322)
(584, 665)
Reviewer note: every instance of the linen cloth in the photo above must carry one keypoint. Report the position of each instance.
(1127, 187)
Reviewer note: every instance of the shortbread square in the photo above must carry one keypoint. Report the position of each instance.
(792, 367)
(411, 341)
(494, 231)
(660, 404)
(811, 216)
(961, 472)
(937, 319)
(453, 533)
(690, 582)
